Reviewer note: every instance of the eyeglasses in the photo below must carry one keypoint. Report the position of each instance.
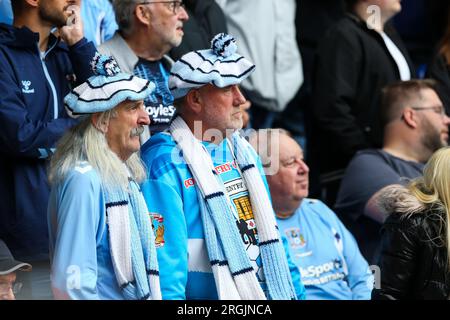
(173, 5)
(437, 109)
(15, 287)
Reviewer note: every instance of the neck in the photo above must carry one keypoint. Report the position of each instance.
(406, 151)
(374, 19)
(283, 210)
(35, 24)
(200, 131)
(146, 46)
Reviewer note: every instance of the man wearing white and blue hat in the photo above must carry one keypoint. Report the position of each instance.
(217, 234)
(101, 240)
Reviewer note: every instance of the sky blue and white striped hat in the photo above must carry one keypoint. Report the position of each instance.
(220, 66)
(106, 89)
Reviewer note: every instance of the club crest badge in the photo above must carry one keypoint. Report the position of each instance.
(158, 228)
(295, 238)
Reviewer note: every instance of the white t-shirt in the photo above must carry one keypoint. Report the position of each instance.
(397, 55)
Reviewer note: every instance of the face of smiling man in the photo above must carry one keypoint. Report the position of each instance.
(290, 185)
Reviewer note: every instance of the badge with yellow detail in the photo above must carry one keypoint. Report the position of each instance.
(158, 228)
(295, 238)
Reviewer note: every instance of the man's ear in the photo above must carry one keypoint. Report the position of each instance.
(33, 3)
(100, 125)
(142, 14)
(410, 117)
(194, 101)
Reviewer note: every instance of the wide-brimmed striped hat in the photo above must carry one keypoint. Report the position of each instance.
(220, 66)
(106, 89)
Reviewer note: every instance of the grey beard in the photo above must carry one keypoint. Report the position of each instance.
(136, 132)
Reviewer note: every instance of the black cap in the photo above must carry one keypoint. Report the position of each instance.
(7, 262)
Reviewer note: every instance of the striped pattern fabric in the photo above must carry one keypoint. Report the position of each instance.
(102, 93)
(197, 68)
(132, 243)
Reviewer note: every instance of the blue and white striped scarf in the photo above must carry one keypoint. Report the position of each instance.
(234, 276)
(132, 243)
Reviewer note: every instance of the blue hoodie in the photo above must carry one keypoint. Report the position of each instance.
(32, 119)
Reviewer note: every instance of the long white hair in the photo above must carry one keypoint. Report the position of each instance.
(84, 142)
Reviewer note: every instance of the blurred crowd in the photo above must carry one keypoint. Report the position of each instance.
(225, 149)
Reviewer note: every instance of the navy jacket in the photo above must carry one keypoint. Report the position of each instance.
(32, 119)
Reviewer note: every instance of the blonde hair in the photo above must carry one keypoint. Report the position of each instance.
(433, 189)
(84, 142)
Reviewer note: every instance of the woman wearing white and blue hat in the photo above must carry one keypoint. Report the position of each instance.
(220, 238)
(101, 240)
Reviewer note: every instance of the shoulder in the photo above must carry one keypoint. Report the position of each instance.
(368, 158)
(7, 34)
(115, 42)
(370, 154)
(346, 27)
(160, 154)
(161, 143)
(316, 206)
(82, 177)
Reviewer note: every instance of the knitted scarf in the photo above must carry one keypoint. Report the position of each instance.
(234, 276)
(132, 243)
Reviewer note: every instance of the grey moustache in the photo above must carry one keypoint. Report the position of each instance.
(135, 132)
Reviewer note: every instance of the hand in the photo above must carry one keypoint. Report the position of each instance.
(72, 32)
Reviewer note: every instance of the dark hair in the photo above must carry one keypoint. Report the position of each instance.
(396, 95)
(17, 6)
(444, 45)
(350, 4)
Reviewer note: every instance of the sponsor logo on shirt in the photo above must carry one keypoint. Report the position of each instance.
(189, 183)
(314, 274)
(160, 114)
(232, 187)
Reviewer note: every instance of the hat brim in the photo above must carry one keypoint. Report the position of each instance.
(99, 94)
(9, 266)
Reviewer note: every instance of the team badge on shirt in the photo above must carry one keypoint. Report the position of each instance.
(295, 238)
(158, 228)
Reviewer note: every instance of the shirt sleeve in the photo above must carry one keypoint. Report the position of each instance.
(74, 265)
(108, 26)
(352, 198)
(360, 279)
(81, 55)
(399, 258)
(21, 136)
(336, 76)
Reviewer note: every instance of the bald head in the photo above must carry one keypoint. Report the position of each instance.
(288, 180)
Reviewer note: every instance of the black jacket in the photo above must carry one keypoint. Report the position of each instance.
(353, 64)
(440, 71)
(413, 262)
